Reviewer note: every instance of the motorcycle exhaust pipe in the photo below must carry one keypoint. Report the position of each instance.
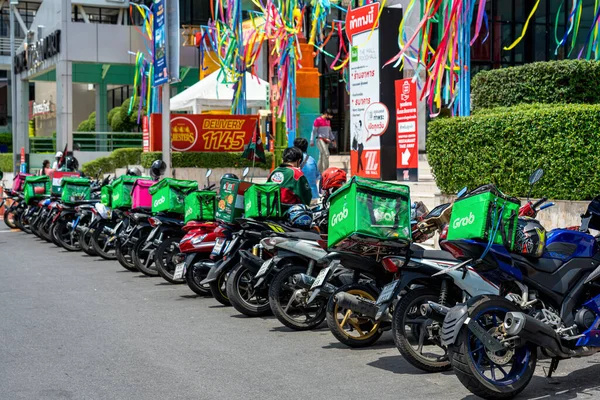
(434, 311)
(357, 304)
(535, 331)
(306, 281)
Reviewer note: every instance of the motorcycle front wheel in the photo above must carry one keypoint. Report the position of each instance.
(351, 328)
(103, 242)
(218, 288)
(243, 296)
(144, 259)
(167, 257)
(65, 236)
(9, 219)
(491, 376)
(288, 301)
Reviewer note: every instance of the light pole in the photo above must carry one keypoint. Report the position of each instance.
(13, 81)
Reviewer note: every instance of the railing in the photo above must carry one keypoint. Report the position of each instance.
(5, 45)
(89, 141)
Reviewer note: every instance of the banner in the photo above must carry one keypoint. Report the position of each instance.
(362, 30)
(161, 73)
(204, 132)
(407, 133)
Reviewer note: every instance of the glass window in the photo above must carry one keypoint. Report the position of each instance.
(540, 43)
(504, 10)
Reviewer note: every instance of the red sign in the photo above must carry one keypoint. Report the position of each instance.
(361, 19)
(145, 133)
(204, 132)
(407, 128)
(22, 155)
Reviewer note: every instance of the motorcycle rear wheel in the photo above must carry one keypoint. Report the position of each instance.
(285, 298)
(65, 236)
(124, 251)
(218, 288)
(351, 329)
(193, 277)
(9, 219)
(85, 238)
(144, 259)
(24, 222)
(100, 241)
(167, 258)
(242, 294)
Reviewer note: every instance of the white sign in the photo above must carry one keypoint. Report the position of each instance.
(377, 118)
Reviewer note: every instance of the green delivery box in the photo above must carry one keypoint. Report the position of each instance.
(36, 187)
(75, 189)
(200, 206)
(168, 195)
(106, 195)
(479, 213)
(263, 201)
(371, 212)
(121, 190)
(230, 205)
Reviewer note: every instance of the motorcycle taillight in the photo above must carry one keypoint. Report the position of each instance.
(453, 249)
(154, 222)
(391, 264)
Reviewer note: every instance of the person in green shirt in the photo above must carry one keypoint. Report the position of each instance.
(295, 188)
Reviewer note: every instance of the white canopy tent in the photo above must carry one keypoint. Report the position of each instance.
(210, 94)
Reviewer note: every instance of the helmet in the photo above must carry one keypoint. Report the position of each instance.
(230, 176)
(333, 178)
(59, 154)
(134, 172)
(300, 216)
(72, 163)
(158, 168)
(530, 238)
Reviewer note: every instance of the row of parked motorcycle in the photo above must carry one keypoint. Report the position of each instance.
(482, 305)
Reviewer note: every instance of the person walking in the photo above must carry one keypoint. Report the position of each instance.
(322, 134)
(309, 168)
(46, 170)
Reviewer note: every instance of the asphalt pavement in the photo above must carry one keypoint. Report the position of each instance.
(78, 327)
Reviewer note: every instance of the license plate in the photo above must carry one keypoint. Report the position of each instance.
(264, 268)
(320, 278)
(218, 247)
(179, 271)
(387, 292)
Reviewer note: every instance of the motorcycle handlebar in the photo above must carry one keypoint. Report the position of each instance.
(539, 202)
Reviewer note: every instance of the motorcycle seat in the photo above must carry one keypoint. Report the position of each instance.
(167, 220)
(547, 265)
(140, 216)
(303, 235)
(432, 255)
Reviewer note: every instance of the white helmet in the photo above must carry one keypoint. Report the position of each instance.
(58, 154)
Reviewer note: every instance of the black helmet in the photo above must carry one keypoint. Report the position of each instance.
(134, 172)
(158, 168)
(530, 238)
(72, 163)
(229, 175)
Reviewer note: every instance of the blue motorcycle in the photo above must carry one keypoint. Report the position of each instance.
(549, 300)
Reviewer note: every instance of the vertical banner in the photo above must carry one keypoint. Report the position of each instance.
(161, 73)
(174, 38)
(363, 33)
(407, 131)
(145, 133)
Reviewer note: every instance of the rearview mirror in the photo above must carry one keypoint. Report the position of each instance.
(246, 172)
(208, 173)
(462, 192)
(536, 176)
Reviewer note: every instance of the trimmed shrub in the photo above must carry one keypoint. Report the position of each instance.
(6, 140)
(118, 159)
(6, 162)
(206, 160)
(505, 146)
(552, 82)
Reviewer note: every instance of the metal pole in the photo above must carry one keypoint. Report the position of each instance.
(13, 87)
(166, 128)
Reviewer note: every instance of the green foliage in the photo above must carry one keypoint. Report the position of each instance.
(6, 139)
(121, 120)
(505, 146)
(6, 162)
(553, 82)
(206, 160)
(89, 125)
(118, 159)
(111, 115)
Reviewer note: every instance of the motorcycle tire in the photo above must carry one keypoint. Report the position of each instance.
(85, 238)
(45, 229)
(9, 219)
(144, 259)
(367, 331)
(34, 225)
(283, 295)
(218, 288)
(167, 258)
(17, 220)
(125, 251)
(63, 235)
(53, 235)
(408, 308)
(467, 369)
(240, 291)
(24, 222)
(193, 279)
(100, 240)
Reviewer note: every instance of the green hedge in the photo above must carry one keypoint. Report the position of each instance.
(553, 82)
(118, 159)
(6, 162)
(206, 160)
(6, 139)
(505, 146)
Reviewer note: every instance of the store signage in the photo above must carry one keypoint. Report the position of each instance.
(34, 54)
(161, 73)
(42, 108)
(407, 130)
(364, 91)
(204, 132)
